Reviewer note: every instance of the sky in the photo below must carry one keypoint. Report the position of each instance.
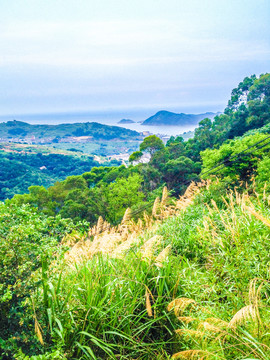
(128, 55)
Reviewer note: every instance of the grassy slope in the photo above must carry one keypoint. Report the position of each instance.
(112, 299)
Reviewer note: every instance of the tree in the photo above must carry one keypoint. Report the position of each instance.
(151, 144)
(123, 193)
(260, 88)
(176, 147)
(179, 171)
(135, 156)
(242, 167)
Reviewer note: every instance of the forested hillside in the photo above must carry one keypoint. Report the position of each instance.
(22, 130)
(92, 194)
(111, 264)
(24, 165)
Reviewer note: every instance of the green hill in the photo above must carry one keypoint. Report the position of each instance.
(111, 264)
(169, 118)
(47, 133)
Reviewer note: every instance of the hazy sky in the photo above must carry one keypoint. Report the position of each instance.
(110, 55)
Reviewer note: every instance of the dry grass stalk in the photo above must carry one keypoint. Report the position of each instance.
(140, 224)
(186, 319)
(163, 256)
(148, 221)
(234, 197)
(38, 329)
(180, 304)
(127, 216)
(105, 244)
(210, 210)
(258, 216)
(184, 201)
(215, 205)
(148, 303)
(225, 201)
(114, 241)
(243, 315)
(147, 250)
(164, 196)
(125, 246)
(211, 328)
(217, 322)
(245, 199)
(216, 330)
(258, 197)
(99, 227)
(156, 208)
(166, 212)
(106, 226)
(190, 332)
(78, 252)
(193, 354)
(38, 332)
(175, 287)
(210, 231)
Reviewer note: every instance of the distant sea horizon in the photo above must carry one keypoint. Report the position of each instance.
(107, 118)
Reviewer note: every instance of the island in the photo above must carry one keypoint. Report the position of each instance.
(126, 121)
(173, 119)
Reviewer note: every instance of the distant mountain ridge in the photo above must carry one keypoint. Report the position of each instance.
(19, 130)
(169, 118)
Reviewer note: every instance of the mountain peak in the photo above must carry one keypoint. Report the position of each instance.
(164, 117)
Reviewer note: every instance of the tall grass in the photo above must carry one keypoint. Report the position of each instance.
(189, 282)
(110, 308)
(225, 278)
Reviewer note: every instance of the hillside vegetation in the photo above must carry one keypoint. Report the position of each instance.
(106, 191)
(21, 129)
(113, 265)
(90, 138)
(25, 165)
(190, 279)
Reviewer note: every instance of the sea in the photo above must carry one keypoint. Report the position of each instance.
(107, 118)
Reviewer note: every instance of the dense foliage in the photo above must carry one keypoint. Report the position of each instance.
(20, 169)
(26, 237)
(175, 164)
(103, 306)
(190, 280)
